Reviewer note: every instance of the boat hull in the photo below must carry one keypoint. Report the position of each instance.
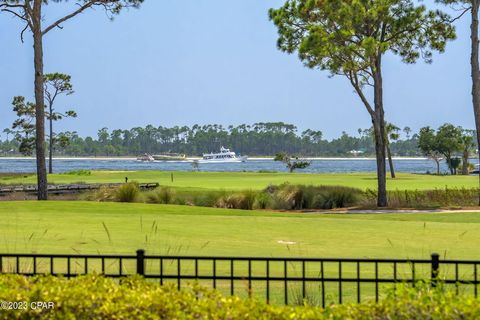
(234, 160)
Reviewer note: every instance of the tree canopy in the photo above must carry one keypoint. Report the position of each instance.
(348, 37)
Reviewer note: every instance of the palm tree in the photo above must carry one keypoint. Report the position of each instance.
(7, 131)
(391, 132)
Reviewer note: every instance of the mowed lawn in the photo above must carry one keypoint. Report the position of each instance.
(92, 227)
(254, 180)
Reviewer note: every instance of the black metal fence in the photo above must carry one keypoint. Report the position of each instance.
(319, 281)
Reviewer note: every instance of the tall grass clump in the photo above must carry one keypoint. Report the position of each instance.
(336, 197)
(298, 197)
(206, 199)
(129, 192)
(239, 200)
(103, 194)
(263, 200)
(436, 198)
(161, 195)
(287, 197)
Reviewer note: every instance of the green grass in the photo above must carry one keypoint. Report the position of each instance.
(69, 227)
(121, 228)
(252, 180)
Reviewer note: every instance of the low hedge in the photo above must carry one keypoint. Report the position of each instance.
(96, 297)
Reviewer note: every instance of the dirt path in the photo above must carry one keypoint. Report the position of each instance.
(398, 211)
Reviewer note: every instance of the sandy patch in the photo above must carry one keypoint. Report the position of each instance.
(286, 242)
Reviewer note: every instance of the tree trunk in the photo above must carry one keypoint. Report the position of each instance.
(438, 166)
(390, 161)
(449, 163)
(465, 163)
(378, 120)
(39, 101)
(50, 146)
(475, 73)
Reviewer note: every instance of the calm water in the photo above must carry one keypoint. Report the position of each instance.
(332, 165)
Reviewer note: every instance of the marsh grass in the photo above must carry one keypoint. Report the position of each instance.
(239, 200)
(103, 194)
(436, 198)
(289, 197)
(161, 195)
(129, 192)
(263, 200)
(206, 199)
(336, 197)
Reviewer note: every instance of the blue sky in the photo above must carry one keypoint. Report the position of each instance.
(212, 61)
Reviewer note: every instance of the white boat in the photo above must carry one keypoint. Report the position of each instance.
(225, 155)
(145, 158)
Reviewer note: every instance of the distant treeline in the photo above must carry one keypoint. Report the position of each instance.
(259, 139)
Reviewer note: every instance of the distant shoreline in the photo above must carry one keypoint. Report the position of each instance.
(196, 158)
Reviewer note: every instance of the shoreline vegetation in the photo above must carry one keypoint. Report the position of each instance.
(260, 190)
(258, 139)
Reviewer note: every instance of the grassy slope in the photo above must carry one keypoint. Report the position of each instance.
(65, 227)
(251, 180)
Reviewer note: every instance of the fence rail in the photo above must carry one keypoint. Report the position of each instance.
(277, 280)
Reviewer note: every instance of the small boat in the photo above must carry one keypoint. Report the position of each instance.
(145, 158)
(168, 156)
(225, 155)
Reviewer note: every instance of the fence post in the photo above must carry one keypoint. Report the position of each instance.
(141, 262)
(435, 269)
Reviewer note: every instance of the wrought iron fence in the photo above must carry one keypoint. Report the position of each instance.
(320, 281)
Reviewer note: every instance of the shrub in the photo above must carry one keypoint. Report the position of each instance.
(129, 192)
(161, 195)
(95, 297)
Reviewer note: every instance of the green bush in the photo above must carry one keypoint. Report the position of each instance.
(95, 297)
(129, 192)
(161, 195)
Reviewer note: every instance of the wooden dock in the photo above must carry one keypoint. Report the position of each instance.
(68, 188)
